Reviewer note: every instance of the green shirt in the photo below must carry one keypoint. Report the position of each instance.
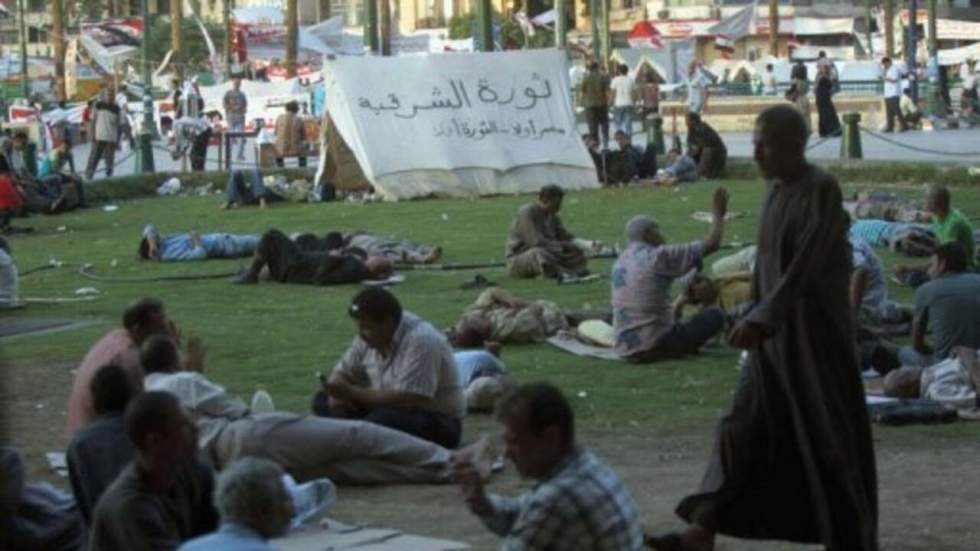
(594, 90)
(956, 228)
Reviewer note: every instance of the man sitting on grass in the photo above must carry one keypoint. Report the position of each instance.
(538, 243)
(101, 450)
(949, 304)
(680, 168)
(141, 320)
(163, 497)
(399, 372)
(641, 280)
(181, 247)
(578, 502)
(287, 262)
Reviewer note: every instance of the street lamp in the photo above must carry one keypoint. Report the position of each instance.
(144, 163)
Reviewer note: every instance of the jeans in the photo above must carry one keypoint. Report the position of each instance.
(685, 337)
(239, 127)
(434, 427)
(245, 187)
(623, 119)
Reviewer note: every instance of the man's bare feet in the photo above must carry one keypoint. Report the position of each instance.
(968, 357)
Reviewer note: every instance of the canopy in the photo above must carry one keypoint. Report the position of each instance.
(670, 62)
(461, 125)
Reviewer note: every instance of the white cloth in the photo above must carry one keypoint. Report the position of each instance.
(209, 405)
(950, 383)
(622, 87)
(9, 281)
(893, 82)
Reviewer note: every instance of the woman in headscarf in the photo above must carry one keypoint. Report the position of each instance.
(829, 124)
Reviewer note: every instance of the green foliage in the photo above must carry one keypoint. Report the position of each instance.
(461, 26)
(194, 54)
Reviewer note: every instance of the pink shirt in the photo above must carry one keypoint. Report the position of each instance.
(118, 348)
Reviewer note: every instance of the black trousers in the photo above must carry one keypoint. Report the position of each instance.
(893, 113)
(598, 120)
(101, 150)
(685, 337)
(435, 427)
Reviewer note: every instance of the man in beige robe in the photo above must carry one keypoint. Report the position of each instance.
(538, 243)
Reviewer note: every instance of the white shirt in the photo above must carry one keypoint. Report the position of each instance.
(893, 82)
(209, 405)
(769, 83)
(622, 87)
(697, 88)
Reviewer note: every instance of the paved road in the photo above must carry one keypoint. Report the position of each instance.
(946, 143)
(943, 142)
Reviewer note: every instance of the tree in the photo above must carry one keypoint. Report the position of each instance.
(195, 49)
(292, 36)
(461, 26)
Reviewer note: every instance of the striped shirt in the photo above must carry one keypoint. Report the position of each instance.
(584, 505)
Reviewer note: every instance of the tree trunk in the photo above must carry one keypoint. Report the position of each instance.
(176, 41)
(292, 37)
(58, 38)
(774, 28)
(385, 17)
(888, 8)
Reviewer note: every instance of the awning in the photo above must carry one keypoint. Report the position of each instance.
(814, 26)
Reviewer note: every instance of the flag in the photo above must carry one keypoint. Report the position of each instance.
(729, 31)
(644, 35)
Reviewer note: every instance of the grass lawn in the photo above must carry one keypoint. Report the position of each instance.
(650, 421)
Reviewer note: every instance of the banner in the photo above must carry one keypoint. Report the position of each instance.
(71, 68)
(484, 110)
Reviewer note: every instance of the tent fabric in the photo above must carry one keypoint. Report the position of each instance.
(461, 125)
(817, 26)
(957, 56)
(670, 62)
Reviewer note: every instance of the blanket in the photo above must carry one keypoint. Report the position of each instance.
(569, 342)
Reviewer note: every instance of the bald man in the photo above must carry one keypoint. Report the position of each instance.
(793, 458)
(643, 320)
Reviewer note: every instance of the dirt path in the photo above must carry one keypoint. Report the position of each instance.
(928, 487)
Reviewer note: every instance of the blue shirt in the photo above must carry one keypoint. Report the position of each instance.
(875, 232)
(230, 537)
(180, 246)
(473, 364)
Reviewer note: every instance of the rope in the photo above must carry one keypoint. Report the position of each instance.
(819, 142)
(86, 271)
(918, 149)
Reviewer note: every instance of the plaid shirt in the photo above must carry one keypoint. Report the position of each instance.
(584, 505)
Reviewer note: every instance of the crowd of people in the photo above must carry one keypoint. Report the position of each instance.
(149, 427)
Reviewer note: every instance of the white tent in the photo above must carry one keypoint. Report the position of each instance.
(461, 125)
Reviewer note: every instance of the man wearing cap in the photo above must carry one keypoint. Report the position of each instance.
(399, 372)
(538, 243)
(641, 280)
